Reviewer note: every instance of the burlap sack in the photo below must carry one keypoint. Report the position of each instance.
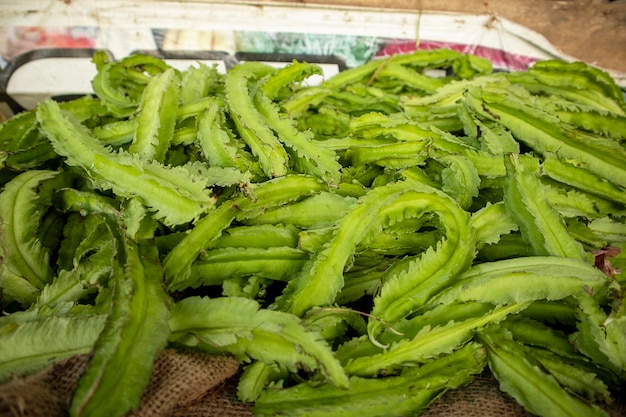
(483, 398)
(192, 384)
(179, 380)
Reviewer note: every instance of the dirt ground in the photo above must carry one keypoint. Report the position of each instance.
(591, 30)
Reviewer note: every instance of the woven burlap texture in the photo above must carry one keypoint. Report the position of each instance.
(179, 380)
(193, 384)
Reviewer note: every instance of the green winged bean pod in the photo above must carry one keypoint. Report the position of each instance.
(263, 196)
(428, 343)
(601, 335)
(175, 194)
(524, 279)
(217, 265)
(375, 240)
(262, 141)
(408, 77)
(410, 288)
(120, 84)
(436, 58)
(574, 376)
(285, 77)
(260, 236)
(544, 133)
(116, 133)
(24, 147)
(540, 224)
(200, 82)
(135, 332)
(404, 394)
(24, 261)
(314, 160)
(321, 279)
(491, 222)
(583, 179)
(522, 378)
(239, 326)
(214, 140)
(300, 101)
(601, 123)
(460, 179)
(576, 81)
(156, 116)
(31, 345)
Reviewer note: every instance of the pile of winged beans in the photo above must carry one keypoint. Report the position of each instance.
(362, 246)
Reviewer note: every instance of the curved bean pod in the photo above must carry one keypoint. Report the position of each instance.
(271, 193)
(540, 224)
(428, 343)
(544, 133)
(526, 279)
(217, 265)
(251, 126)
(135, 332)
(24, 262)
(407, 290)
(523, 379)
(237, 325)
(175, 194)
(156, 117)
